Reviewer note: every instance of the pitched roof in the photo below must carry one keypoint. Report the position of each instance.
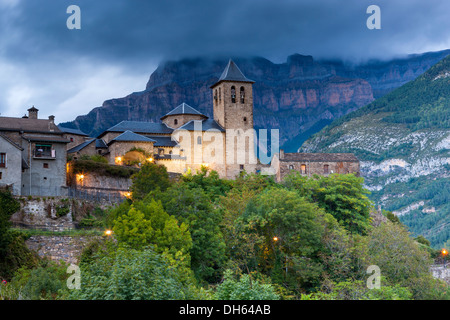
(201, 125)
(140, 127)
(72, 131)
(40, 138)
(163, 141)
(320, 157)
(81, 146)
(28, 125)
(183, 109)
(232, 73)
(100, 143)
(131, 136)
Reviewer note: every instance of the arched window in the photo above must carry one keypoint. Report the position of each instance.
(215, 95)
(233, 94)
(175, 121)
(326, 169)
(242, 95)
(199, 140)
(245, 119)
(220, 94)
(291, 167)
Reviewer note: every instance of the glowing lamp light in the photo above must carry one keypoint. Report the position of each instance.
(108, 232)
(444, 252)
(150, 159)
(275, 239)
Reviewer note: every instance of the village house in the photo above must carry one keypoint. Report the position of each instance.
(32, 155)
(310, 164)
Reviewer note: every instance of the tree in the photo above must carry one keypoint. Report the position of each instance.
(244, 288)
(343, 196)
(129, 274)
(193, 207)
(150, 177)
(289, 235)
(148, 223)
(13, 251)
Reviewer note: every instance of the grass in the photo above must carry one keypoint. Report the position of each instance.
(67, 233)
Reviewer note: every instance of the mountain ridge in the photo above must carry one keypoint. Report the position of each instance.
(299, 96)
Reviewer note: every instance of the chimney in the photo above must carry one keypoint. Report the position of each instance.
(33, 113)
(281, 154)
(51, 123)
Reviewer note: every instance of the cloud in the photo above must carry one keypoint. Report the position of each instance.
(122, 41)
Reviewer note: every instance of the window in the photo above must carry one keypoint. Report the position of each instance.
(175, 121)
(215, 95)
(71, 139)
(242, 95)
(245, 119)
(0, 176)
(161, 152)
(45, 165)
(326, 169)
(291, 167)
(199, 140)
(220, 95)
(241, 167)
(303, 169)
(2, 160)
(233, 94)
(44, 150)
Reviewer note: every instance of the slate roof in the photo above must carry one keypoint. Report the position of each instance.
(39, 138)
(203, 125)
(320, 157)
(28, 125)
(183, 109)
(100, 143)
(81, 146)
(72, 131)
(232, 73)
(163, 141)
(141, 127)
(131, 136)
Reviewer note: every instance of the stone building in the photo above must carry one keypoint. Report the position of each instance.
(75, 136)
(32, 155)
(309, 164)
(186, 139)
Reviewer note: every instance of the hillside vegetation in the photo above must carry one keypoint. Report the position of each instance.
(403, 142)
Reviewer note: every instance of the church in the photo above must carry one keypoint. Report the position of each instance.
(185, 139)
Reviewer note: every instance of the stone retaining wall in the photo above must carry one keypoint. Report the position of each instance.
(56, 248)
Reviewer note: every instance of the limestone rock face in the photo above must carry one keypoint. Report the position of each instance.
(298, 97)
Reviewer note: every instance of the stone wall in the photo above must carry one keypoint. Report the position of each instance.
(285, 167)
(56, 248)
(94, 182)
(45, 213)
(439, 272)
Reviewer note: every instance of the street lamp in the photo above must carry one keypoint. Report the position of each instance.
(444, 253)
(108, 232)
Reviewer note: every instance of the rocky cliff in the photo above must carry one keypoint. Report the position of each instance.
(299, 97)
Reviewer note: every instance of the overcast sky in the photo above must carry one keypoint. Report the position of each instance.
(68, 72)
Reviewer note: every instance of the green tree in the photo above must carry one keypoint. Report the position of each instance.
(289, 237)
(244, 288)
(148, 223)
(13, 251)
(129, 274)
(341, 195)
(193, 207)
(150, 177)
